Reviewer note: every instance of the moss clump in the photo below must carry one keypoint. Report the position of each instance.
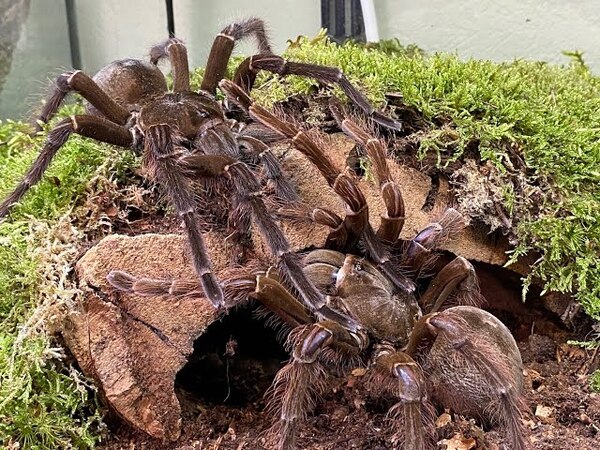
(44, 403)
(541, 116)
(595, 381)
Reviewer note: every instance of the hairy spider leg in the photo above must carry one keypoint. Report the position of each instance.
(77, 81)
(161, 154)
(418, 252)
(85, 125)
(398, 374)
(223, 45)
(175, 50)
(357, 219)
(393, 220)
(299, 384)
(457, 277)
(298, 212)
(281, 185)
(245, 76)
(239, 287)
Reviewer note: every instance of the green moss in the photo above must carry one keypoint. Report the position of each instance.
(43, 403)
(595, 381)
(548, 115)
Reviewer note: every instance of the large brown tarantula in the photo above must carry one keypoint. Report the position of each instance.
(350, 302)
(130, 106)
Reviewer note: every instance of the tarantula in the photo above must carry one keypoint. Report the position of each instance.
(130, 106)
(351, 301)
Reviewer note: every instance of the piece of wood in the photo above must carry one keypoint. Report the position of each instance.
(134, 346)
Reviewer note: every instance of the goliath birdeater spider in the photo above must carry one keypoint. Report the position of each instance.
(351, 302)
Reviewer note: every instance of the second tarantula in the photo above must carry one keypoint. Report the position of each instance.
(351, 302)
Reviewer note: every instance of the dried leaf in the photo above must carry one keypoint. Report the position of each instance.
(543, 412)
(359, 372)
(458, 442)
(443, 420)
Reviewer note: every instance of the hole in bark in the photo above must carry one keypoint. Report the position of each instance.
(234, 361)
(432, 194)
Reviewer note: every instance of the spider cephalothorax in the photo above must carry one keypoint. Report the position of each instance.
(353, 298)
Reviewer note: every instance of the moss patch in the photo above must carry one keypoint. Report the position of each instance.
(535, 125)
(44, 402)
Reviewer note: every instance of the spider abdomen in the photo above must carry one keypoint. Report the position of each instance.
(450, 368)
(130, 83)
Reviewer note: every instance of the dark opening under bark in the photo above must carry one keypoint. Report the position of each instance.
(234, 361)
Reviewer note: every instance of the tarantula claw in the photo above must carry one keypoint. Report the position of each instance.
(317, 338)
(121, 281)
(386, 121)
(235, 94)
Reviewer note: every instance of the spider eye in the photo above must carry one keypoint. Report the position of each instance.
(358, 267)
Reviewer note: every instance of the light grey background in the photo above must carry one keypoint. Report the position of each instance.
(112, 29)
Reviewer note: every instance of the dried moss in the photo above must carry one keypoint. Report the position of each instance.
(44, 402)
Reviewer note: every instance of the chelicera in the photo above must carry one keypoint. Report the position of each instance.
(351, 302)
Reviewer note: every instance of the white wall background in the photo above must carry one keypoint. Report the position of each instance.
(499, 30)
(112, 29)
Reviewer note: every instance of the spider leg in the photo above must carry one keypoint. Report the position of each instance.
(458, 276)
(357, 217)
(248, 196)
(81, 83)
(246, 74)
(418, 253)
(393, 221)
(148, 287)
(262, 286)
(413, 414)
(301, 381)
(338, 238)
(260, 132)
(301, 213)
(274, 296)
(90, 126)
(222, 47)
(161, 153)
(274, 173)
(175, 50)
(474, 367)
(444, 229)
